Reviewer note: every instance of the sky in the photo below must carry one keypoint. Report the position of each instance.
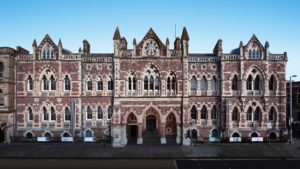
(276, 21)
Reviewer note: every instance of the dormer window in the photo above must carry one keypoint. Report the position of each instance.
(254, 52)
(47, 52)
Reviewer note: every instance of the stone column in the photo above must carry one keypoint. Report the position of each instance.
(140, 133)
(162, 133)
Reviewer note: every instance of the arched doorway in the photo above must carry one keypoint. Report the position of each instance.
(132, 128)
(214, 133)
(254, 134)
(235, 135)
(151, 127)
(171, 129)
(273, 137)
(150, 123)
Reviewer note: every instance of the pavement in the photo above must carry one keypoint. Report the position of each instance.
(204, 151)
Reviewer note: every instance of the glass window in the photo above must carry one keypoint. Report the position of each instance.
(194, 112)
(249, 114)
(168, 83)
(134, 83)
(234, 83)
(193, 83)
(110, 112)
(151, 83)
(67, 83)
(129, 83)
(203, 84)
(89, 113)
(99, 113)
(204, 112)
(146, 83)
(257, 114)
(30, 114)
(1, 98)
(45, 83)
(272, 83)
(234, 115)
(67, 114)
(213, 84)
(257, 83)
(272, 114)
(214, 113)
(45, 114)
(89, 84)
(249, 83)
(99, 84)
(29, 83)
(157, 83)
(53, 115)
(110, 84)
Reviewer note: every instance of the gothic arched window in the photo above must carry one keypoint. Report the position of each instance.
(249, 114)
(234, 115)
(193, 83)
(99, 84)
(249, 83)
(203, 84)
(110, 112)
(53, 83)
(272, 83)
(29, 83)
(110, 83)
(30, 114)
(99, 113)
(213, 84)
(89, 83)
(257, 114)
(89, 112)
(257, 83)
(67, 83)
(214, 113)
(194, 113)
(53, 114)
(272, 114)
(45, 114)
(45, 83)
(67, 114)
(204, 113)
(234, 83)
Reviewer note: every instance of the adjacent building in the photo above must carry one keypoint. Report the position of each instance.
(151, 91)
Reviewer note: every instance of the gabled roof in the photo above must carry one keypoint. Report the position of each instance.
(47, 39)
(254, 39)
(151, 34)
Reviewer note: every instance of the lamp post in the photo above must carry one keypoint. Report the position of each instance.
(291, 109)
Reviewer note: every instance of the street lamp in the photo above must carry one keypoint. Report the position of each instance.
(291, 109)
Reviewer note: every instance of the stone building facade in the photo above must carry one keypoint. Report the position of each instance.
(151, 90)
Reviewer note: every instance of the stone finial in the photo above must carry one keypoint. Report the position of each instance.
(59, 43)
(134, 41)
(267, 44)
(241, 44)
(185, 35)
(34, 43)
(117, 35)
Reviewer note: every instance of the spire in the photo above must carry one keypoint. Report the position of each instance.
(267, 44)
(185, 35)
(167, 41)
(117, 35)
(34, 43)
(241, 44)
(134, 41)
(59, 43)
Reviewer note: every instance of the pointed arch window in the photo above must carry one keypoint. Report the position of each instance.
(156, 83)
(53, 114)
(89, 112)
(204, 113)
(203, 84)
(53, 83)
(194, 113)
(145, 83)
(89, 83)
(30, 114)
(249, 114)
(174, 83)
(213, 84)
(272, 114)
(234, 83)
(67, 83)
(67, 114)
(45, 83)
(193, 83)
(45, 114)
(1, 98)
(151, 83)
(234, 115)
(214, 113)
(110, 112)
(257, 83)
(110, 83)
(272, 83)
(47, 52)
(132, 82)
(99, 113)
(1, 69)
(29, 83)
(99, 84)
(129, 83)
(168, 83)
(257, 114)
(249, 83)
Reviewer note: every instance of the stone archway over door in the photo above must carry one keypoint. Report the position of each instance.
(152, 132)
(132, 128)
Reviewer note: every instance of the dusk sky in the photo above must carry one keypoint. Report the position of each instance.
(276, 21)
